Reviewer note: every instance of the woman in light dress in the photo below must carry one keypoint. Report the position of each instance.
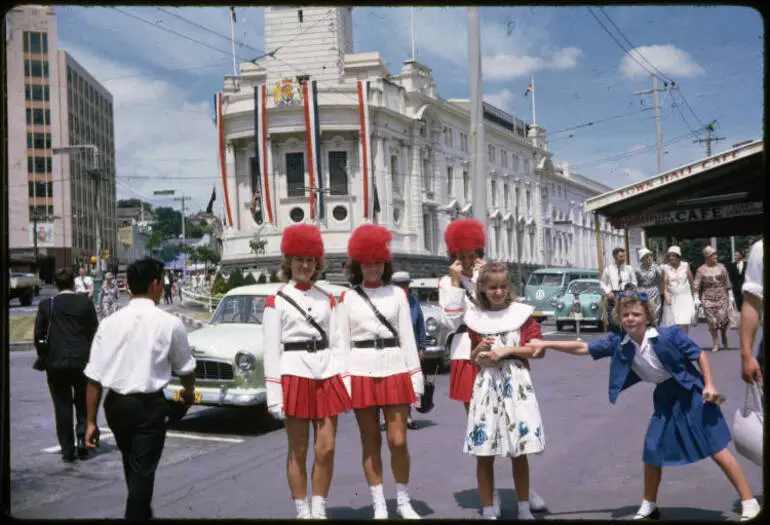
(713, 284)
(678, 291)
(109, 296)
(649, 280)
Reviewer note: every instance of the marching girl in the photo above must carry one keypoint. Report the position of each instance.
(304, 366)
(504, 417)
(465, 241)
(376, 330)
(687, 424)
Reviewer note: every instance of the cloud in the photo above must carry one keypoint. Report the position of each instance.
(502, 100)
(668, 59)
(161, 132)
(637, 147)
(506, 67)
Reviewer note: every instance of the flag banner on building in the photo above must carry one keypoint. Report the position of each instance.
(259, 161)
(529, 89)
(232, 14)
(210, 207)
(365, 147)
(313, 141)
(376, 207)
(222, 166)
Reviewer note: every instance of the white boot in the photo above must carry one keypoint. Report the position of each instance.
(303, 509)
(749, 509)
(380, 507)
(524, 513)
(404, 508)
(318, 508)
(488, 513)
(536, 503)
(496, 504)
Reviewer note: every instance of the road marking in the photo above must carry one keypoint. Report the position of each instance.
(103, 433)
(551, 333)
(204, 438)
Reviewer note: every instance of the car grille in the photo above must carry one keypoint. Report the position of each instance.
(430, 340)
(213, 370)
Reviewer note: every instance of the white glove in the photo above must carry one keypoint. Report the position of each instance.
(277, 412)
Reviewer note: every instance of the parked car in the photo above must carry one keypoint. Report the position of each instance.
(545, 284)
(22, 286)
(121, 282)
(436, 334)
(229, 351)
(580, 303)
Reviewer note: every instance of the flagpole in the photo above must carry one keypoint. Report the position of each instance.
(413, 49)
(232, 37)
(534, 120)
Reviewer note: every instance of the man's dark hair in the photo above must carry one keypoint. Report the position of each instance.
(64, 278)
(140, 274)
(355, 275)
(617, 250)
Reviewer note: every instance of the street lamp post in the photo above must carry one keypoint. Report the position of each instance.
(183, 198)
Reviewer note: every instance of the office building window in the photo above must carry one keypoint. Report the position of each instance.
(38, 117)
(506, 196)
(394, 176)
(38, 93)
(39, 140)
(42, 212)
(338, 175)
(41, 189)
(36, 68)
(449, 180)
(466, 185)
(35, 42)
(295, 174)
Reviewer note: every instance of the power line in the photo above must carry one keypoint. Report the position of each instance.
(633, 47)
(208, 30)
(595, 122)
(181, 35)
(623, 156)
(155, 75)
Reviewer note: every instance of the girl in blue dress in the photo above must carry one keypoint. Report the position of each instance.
(687, 424)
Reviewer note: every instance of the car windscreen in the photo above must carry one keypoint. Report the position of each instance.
(546, 279)
(240, 309)
(583, 288)
(426, 294)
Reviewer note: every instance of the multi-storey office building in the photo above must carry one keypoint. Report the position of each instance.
(54, 103)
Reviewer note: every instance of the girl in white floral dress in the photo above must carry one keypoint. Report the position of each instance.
(504, 417)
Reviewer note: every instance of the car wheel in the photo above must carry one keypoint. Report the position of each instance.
(176, 411)
(559, 326)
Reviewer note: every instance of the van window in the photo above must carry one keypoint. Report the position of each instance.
(426, 294)
(546, 279)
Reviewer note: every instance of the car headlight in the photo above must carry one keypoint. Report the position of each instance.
(431, 325)
(560, 305)
(594, 306)
(245, 361)
(521, 299)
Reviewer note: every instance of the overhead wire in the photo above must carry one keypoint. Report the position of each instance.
(628, 154)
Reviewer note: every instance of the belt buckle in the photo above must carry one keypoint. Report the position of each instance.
(313, 346)
(379, 343)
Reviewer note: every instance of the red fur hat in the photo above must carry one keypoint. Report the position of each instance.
(464, 234)
(302, 240)
(370, 243)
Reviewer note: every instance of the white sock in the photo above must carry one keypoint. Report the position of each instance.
(488, 513)
(378, 494)
(496, 503)
(318, 505)
(647, 507)
(524, 511)
(750, 507)
(402, 494)
(302, 507)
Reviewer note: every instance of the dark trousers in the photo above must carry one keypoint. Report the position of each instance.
(167, 293)
(612, 325)
(138, 422)
(68, 388)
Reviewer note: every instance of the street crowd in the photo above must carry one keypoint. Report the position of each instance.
(325, 357)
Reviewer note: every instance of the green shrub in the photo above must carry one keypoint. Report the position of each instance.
(262, 279)
(235, 280)
(220, 285)
(249, 279)
(274, 276)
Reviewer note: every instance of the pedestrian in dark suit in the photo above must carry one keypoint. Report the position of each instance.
(134, 354)
(73, 326)
(737, 273)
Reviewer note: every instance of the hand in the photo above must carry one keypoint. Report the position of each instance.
(710, 394)
(187, 397)
(750, 370)
(668, 299)
(421, 354)
(455, 271)
(610, 296)
(484, 346)
(495, 355)
(538, 347)
(92, 435)
(277, 412)
(478, 263)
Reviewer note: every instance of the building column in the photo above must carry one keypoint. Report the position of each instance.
(232, 186)
(414, 199)
(539, 246)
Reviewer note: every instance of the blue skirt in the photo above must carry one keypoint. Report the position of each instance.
(683, 428)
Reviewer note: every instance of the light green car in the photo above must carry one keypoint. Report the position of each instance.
(229, 351)
(581, 303)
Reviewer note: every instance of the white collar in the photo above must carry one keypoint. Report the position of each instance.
(142, 302)
(649, 334)
(496, 321)
(65, 291)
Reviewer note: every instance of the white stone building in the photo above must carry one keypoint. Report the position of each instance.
(419, 165)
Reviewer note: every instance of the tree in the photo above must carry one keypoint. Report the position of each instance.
(156, 239)
(220, 285)
(169, 252)
(249, 279)
(134, 203)
(235, 280)
(168, 222)
(273, 276)
(262, 279)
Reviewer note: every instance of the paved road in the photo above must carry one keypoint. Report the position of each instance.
(222, 463)
(15, 308)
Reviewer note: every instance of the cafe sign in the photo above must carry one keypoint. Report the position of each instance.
(704, 213)
(669, 177)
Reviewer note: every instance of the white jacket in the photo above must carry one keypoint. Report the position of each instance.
(357, 322)
(454, 302)
(282, 323)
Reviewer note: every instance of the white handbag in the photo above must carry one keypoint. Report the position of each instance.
(748, 425)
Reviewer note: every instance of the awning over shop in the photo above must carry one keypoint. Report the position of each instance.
(720, 195)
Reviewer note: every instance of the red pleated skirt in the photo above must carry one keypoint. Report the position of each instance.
(382, 391)
(307, 398)
(462, 376)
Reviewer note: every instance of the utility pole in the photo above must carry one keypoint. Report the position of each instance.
(656, 102)
(182, 198)
(709, 139)
(478, 157)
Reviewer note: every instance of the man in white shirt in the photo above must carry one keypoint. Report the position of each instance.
(133, 354)
(753, 301)
(84, 285)
(615, 278)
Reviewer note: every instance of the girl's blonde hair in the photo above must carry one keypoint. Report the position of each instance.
(491, 268)
(284, 272)
(628, 300)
